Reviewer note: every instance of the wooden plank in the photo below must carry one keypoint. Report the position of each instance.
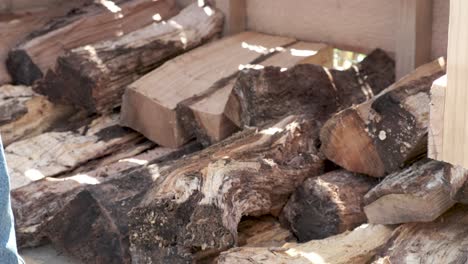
(436, 119)
(354, 25)
(92, 23)
(414, 35)
(235, 15)
(455, 128)
(162, 90)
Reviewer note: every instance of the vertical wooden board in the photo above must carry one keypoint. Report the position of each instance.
(440, 24)
(361, 25)
(414, 35)
(455, 125)
(235, 14)
(149, 104)
(436, 123)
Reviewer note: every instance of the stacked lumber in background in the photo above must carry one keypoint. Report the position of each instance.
(201, 102)
(94, 76)
(302, 163)
(15, 27)
(31, 59)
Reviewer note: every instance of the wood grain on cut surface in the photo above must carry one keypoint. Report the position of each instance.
(160, 91)
(355, 247)
(55, 153)
(24, 114)
(35, 204)
(441, 241)
(377, 137)
(420, 193)
(99, 21)
(210, 121)
(201, 199)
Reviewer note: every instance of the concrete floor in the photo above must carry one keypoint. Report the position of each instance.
(46, 255)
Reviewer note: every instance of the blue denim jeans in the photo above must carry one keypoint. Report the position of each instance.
(8, 251)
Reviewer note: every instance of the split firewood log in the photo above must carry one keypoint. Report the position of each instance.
(35, 204)
(441, 241)
(459, 188)
(204, 113)
(420, 193)
(377, 137)
(327, 205)
(162, 90)
(265, 231)
(55, 153)
(24, 114)
(356, 247)
(15, 27)
(269, 94)
(95, 22)
(94, 76)
(196, 205)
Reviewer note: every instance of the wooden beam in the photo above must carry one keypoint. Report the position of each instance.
(414, 35)
(235, 12)
(436, 123)
(455, 130)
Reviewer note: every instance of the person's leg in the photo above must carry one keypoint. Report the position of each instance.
(8, 251)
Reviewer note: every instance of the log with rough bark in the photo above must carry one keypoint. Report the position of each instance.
(35, 204)
(269, 94)
(420, 193)
(441, 241)
(377, 137)
(92, 23)
(14, 28)
(356, 247)
(204, 113)
(195, 207)
(54, 153)
(94, 76)
(24, 114)
(193, 73)
(327, 205)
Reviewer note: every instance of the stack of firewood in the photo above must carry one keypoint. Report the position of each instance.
(134, 135)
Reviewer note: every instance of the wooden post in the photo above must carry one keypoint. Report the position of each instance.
(235, 12)
(455, 127)
(414, 35)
